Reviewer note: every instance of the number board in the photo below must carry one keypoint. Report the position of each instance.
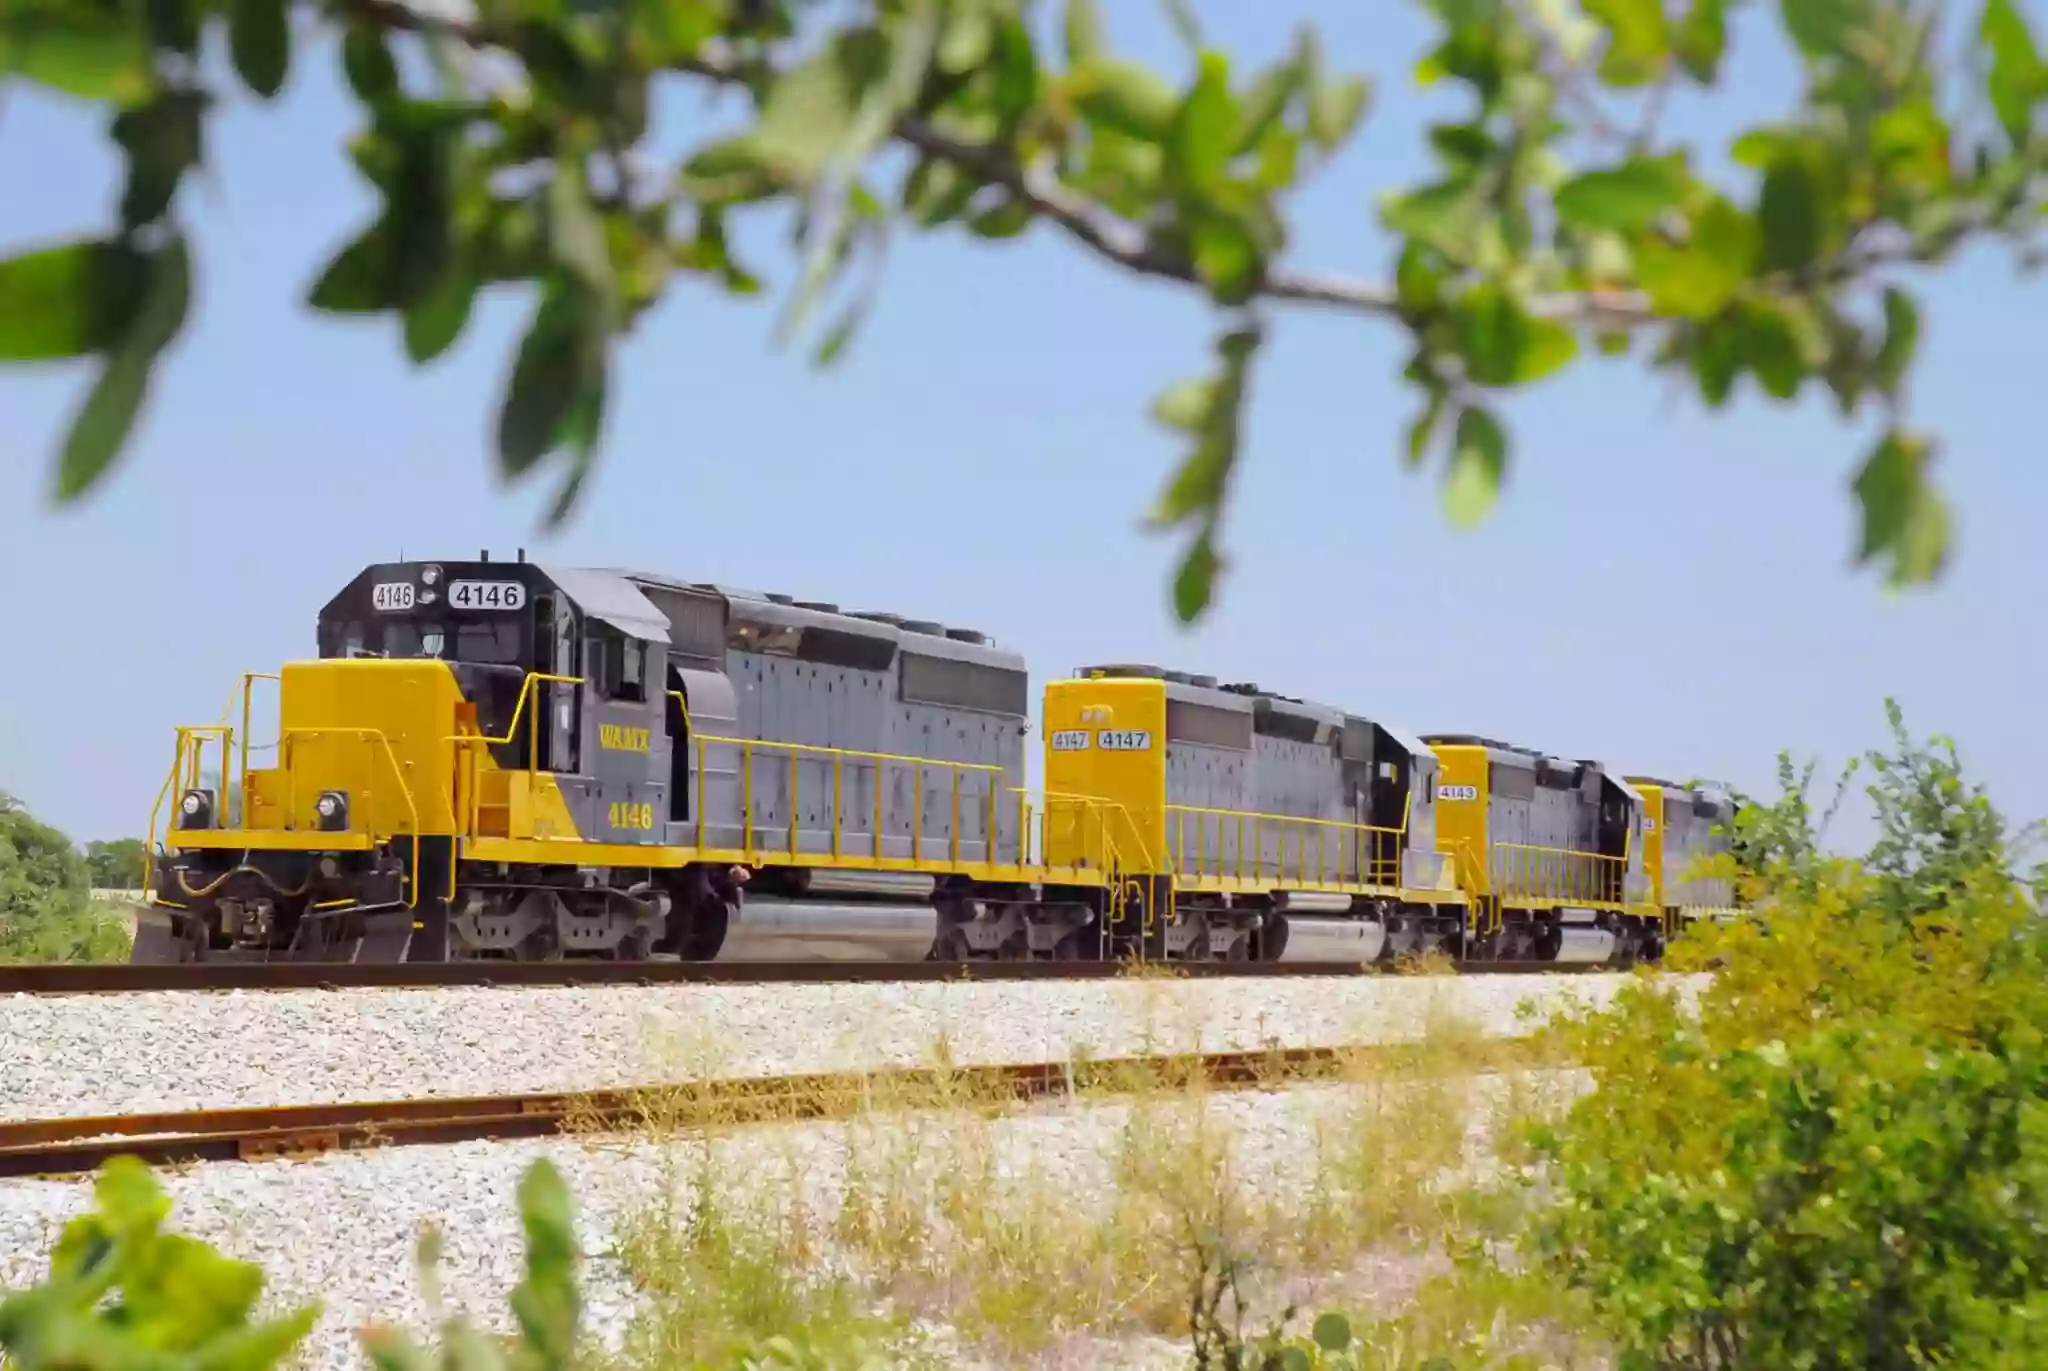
(1070, 740)
(1457, 792)
(390, 596)
(486, 595)
(1124, 740)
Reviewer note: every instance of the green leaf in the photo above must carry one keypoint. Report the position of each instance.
(1204, 128)
(1333, 1332)
(2016, 80)
(732, 171)
(1423, 431)
(1639, 40)
(1194, 583)
(1902, 514)
(1444, 215)
(1479, 458)
(103, 422)
(260, 1347)
(1084, 33)
(1700, 279)
(173, 24)
(1124, 96)
(969, 36)
(358, 278)
(576, 234)
(1418, 279)
(67, 301)
(1901, 339)
(1212, 409)
(1185, 407)
(1789, 211)
(1227, 257)
(1504, 345)
(1821, 28)
(1335, 109)
(1775, 351)
(809, 113)
(97, 55)
(1624, 199)
(435, 320)
(546, 1302)
(1266, 101)
(162, 142)
(1186, 25)
(1717, 359)
(366, 61)
(260, 41)
(1702, 40)
(1006, 219)
(551, 371)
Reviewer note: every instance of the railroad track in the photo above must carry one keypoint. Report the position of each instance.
(72, 1146)
(118, 979)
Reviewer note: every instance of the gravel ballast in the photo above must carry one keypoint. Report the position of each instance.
(64, 1056)
(342, 1229)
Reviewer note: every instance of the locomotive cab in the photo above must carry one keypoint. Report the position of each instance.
(450, 704)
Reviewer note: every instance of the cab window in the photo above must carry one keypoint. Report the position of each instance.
(618, 666)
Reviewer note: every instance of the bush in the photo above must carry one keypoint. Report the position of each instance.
(1841, 1159)
(47, 913)
(115, 864)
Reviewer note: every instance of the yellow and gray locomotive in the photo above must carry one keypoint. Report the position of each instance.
(493, 759)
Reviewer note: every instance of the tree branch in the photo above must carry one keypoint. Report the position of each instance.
(1107, 235)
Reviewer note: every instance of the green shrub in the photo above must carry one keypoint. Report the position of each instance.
(115, 864)
(47, 913)
(1842, 1163)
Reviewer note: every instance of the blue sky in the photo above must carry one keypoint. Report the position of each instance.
(1663, 588)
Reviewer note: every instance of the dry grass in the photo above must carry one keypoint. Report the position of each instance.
(938, 1222)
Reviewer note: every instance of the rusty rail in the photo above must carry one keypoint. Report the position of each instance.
(72, 1146)
(63, 978)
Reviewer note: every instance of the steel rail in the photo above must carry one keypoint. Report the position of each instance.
(64, 978)
(76, 1145)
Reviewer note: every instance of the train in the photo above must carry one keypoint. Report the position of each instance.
(511, 760)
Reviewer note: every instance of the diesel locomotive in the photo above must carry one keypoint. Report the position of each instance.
(492, 759)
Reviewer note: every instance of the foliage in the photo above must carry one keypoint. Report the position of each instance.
(175, 1303)
(1842, 1160)
(46, 910)
(1934, 827)
(1935, 830)
(1559, 219)
(115, 864)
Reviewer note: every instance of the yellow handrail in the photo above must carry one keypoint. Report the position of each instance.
(473, 809)
(1536, 871)
(192, 734)
(1361, 839)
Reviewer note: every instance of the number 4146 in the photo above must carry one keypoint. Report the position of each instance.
(632, 815)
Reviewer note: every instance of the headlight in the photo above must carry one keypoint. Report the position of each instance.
(430, 575)
(195, 809)
(331, 809)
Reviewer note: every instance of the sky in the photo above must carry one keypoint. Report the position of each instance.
(1662, 587)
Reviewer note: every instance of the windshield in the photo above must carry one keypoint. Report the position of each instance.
(490, 642)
